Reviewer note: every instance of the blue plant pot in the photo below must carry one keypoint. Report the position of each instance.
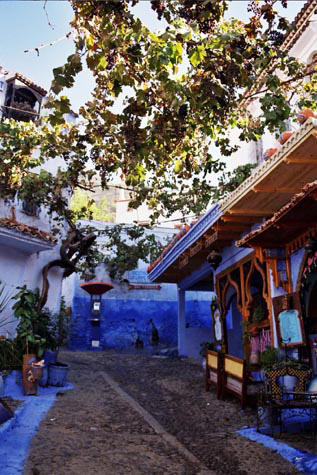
(57, 374)
(44, 379)
(17, 375)
(1, 385)
(50, 357)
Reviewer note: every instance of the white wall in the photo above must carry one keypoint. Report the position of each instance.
(18, 268)
(20, 265)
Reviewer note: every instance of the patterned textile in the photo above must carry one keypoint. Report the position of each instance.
(276, 390)
(302, 376)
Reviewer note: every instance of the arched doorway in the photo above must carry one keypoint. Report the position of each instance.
(242, 291)
(234, 329)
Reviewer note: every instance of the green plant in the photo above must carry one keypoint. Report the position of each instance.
(269, 357)
(246, 337)
(34, 330)
(289, 363)
(204, 346)
(5, 297)
(10, 357)
(258, 314)
(60, 326)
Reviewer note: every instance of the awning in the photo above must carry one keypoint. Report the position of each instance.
(296, 218)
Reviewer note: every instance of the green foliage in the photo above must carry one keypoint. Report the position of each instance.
(5, 298)
(204, 346)
(183, 89)
(85, 206)
(258, 314)
(34, 330)
(60, 324)
(229, 181)
(269, 360)
(126, 245)
(269, 357)
(10, 357)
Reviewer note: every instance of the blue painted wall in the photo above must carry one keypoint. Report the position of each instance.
(124, 317)
(126, 312)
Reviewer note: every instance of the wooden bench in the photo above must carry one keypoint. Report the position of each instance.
(234, 380)
(213, 371)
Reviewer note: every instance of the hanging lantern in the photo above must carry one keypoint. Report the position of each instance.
(214, 259)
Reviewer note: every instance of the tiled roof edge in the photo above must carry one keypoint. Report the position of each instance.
(308, 188)
(26, 229)
(193, 234)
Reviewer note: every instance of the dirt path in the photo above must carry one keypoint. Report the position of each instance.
(93, 430)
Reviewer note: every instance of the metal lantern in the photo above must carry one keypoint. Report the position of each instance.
(214, 259)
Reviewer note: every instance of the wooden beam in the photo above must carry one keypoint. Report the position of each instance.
(292, 224)
(222, 236)
(241, 219)
(224, 243)
(196, 248)
(232, 227)
(300, 160)
(270, 189)
(208, 233)
(252, 212)
(183, 262)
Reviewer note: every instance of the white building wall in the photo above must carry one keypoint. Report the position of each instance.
(20, 265)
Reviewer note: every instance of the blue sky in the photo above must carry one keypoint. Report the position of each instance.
(23, 25)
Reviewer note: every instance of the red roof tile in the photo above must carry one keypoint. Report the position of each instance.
(26, 229)
(309, 188)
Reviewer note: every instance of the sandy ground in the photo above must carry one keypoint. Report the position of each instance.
(92, 430)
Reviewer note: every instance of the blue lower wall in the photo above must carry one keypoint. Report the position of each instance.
(123, 319)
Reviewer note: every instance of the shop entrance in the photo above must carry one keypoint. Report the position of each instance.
(234, 329)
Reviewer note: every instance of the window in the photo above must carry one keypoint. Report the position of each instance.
(31, 209)
(21, 102)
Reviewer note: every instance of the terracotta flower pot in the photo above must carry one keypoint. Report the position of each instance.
(268, 153)
(302, 116)
(29, 382)
(285, 136)
(37, 371)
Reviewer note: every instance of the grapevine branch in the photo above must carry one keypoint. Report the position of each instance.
(283, 83)
(48, 20)
(37, 49)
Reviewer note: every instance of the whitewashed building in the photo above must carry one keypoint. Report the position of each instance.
(26, 242)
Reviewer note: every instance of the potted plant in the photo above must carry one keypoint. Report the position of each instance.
(258, 314)
(34, 335)
(34, 329)
(57, 371)
(269, 358)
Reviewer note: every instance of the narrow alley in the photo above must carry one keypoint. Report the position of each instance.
(143, 414)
